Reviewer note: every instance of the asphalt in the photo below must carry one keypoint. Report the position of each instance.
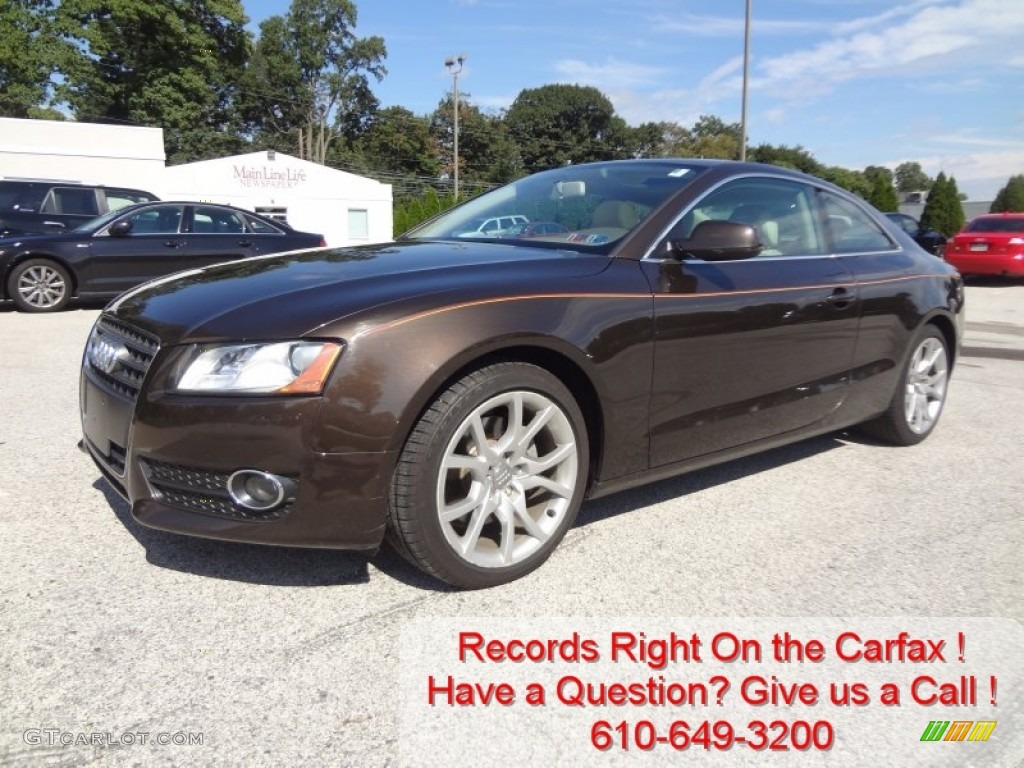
(291, 657)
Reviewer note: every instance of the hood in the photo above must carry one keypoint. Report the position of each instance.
(293, 294)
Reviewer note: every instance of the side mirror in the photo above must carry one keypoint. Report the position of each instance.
(120, 228)
(719, 241)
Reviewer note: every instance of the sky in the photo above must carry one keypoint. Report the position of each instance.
(855, 82)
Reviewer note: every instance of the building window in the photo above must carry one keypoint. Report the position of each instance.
(275, 212)
(358, 224)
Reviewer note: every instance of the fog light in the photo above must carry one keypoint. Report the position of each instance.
(257, 490)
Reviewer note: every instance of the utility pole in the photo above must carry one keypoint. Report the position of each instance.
(746, 76)
(454, 65)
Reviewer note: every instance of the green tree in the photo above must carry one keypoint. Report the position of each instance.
(712, 137)
(167, 64)
(883, 194)
(796, 158)
(955, 218)
(30, 53)
(311, 73)
(272, 105)
(852, 181)
(556, 125)
(410, 212)
(910, 177)
(487, 153)
(872, 172)
(943, 211)
(709, 136)
(396, 140)
(1011, 197)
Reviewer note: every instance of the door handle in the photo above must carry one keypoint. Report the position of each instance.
(172, 243)
(245, 243)
(841, 298)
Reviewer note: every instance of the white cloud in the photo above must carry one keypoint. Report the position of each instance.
(613, 74)
(866, 22)
(945, 37)
(731, 26)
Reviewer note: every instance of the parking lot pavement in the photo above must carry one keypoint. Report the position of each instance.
(291, 657)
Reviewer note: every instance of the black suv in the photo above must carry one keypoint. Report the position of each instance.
(29, 206)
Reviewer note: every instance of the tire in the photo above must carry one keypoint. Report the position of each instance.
(917, 403)
(39, 285)
(491, 477)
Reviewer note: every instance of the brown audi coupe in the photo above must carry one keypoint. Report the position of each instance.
(461, 395)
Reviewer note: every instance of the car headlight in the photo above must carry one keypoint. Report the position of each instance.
(276, 368)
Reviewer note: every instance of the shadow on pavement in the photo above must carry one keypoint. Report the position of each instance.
(294, 566)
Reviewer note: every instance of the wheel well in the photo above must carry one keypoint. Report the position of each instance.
(567, 371)
(25, 257)
(945, 326)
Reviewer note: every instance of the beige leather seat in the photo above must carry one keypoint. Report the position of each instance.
(615, 213)
(768, 229)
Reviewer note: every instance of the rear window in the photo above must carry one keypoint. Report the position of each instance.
(1002, 224)
(19, 196)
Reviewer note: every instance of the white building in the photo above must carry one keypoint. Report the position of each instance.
(113, 155)
(345, 208)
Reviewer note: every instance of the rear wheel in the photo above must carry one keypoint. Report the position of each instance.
(39, 285)
(921, 394)
(491, 477)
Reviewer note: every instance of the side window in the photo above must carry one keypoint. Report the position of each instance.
(781, 211)
(216, 221)
(260, 227)
(19, 196)
(849, 229)
(119, 198)
(75, 201)
(162, 220)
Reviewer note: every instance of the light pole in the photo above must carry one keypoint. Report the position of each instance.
(454, 65)
(746, 75)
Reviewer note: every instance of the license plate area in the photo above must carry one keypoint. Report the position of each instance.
(978, 247)
(106, 422)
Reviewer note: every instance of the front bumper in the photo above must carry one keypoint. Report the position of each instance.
(170, 457)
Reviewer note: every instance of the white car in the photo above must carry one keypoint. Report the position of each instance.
(494, 226)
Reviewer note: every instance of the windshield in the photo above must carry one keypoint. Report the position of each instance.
(588, 207)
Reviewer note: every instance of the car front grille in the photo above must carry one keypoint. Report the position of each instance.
(198, 490)
(118, 356)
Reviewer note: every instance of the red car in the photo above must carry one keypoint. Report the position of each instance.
(989, 245)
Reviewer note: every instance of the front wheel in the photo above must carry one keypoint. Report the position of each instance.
(917, 403)
(39, 285)
(491, 477)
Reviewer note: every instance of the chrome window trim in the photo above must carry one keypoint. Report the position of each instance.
(650, 255)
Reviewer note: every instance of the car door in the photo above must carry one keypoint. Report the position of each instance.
(65, 208)
(266, 238)
(749, 348)
(151, 246)
(216, 235)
